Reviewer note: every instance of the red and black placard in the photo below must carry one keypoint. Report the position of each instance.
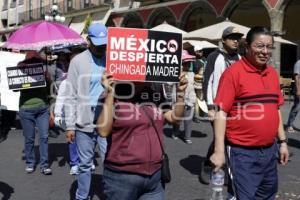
(143, 55)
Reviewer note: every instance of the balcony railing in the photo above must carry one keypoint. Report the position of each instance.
(39, 13)
(13, 4)
(5, 6)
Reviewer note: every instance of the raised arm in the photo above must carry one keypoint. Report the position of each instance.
(105, 119)
(174, 115)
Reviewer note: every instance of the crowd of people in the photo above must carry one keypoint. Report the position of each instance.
(242, 93)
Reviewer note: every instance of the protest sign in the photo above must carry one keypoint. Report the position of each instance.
(9, 99)
(26, 76)
(143, 55)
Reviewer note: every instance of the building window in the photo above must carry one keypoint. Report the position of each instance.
(30, 9)
(85, 3)
(5, 5)
(13, 3)
(4, 22)
(42, 8)
(3, 38)
(69, 5)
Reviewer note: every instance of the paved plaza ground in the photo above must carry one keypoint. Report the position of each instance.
(185, 161)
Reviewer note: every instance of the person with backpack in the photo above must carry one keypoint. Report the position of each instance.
(296, 107)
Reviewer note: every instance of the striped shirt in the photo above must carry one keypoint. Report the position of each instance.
(251, 99)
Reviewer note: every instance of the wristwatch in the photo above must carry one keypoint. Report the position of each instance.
(213, 107)
(283, 141)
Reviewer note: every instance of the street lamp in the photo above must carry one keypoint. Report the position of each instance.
(54, 15)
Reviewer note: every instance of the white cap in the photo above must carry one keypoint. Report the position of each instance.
(198, 48)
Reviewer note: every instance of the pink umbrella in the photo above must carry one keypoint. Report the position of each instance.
(41, 34)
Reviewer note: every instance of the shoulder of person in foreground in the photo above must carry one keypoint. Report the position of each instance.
(77, 64)
(81, 57)
(213, 55)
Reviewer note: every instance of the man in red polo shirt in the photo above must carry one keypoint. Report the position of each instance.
(249, 122)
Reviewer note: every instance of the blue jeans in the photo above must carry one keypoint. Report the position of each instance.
(253, 172)
(74, 158)
(31, 118)
(294, 111)
(85, 147)
(129, 186)
(188, 121)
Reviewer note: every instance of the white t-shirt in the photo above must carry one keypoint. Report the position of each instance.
(297, 67)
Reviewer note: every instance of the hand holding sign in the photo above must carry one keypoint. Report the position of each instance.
(183, 83)
(143, 55)
(108, 82)
(26, 76)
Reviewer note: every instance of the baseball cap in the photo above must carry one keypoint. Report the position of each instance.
(186, 56)
(198, 48)
(98, 34)
(231, 30)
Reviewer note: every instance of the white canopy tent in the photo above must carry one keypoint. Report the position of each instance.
(165, 27)
(203, 44)
(186, 43)
(214, 32)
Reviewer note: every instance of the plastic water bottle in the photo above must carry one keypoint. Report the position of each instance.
(217, 183)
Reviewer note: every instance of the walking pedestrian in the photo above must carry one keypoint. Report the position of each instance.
(59, 120)
(296, 106)
(188, 62)
(248, 98)
(217, 62)
(84, 83)
(201, 61)
(34, 112)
